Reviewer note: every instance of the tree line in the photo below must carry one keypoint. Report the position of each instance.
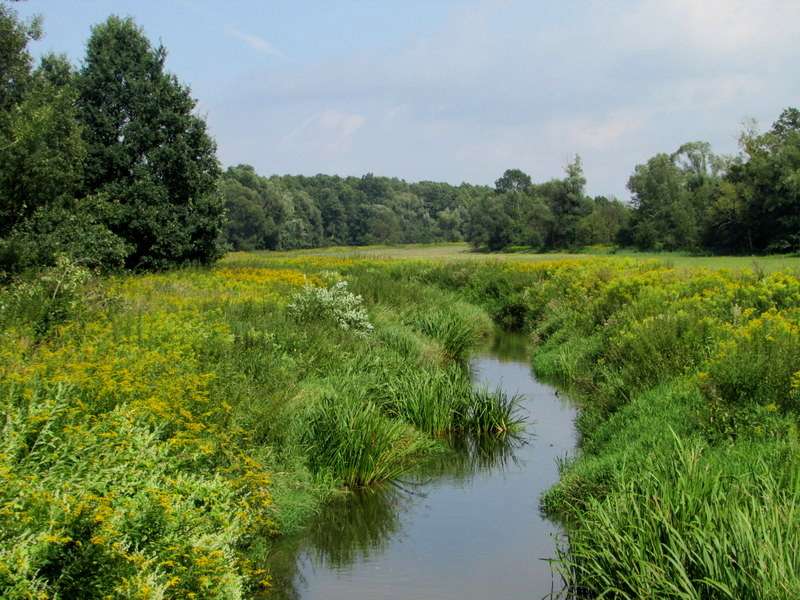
(691, 199)
(109, 164)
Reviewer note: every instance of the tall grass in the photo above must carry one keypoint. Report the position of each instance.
(445, 402)
(353, 439)
(689, 530)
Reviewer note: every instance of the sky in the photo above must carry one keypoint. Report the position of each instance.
(458, 91)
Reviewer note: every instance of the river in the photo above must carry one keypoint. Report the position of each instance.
(466, 528)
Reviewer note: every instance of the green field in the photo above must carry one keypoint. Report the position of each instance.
(462, 251)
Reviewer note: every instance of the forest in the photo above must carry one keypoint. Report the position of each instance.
(691, 199)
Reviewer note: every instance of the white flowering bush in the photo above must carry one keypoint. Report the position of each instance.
(334, 303)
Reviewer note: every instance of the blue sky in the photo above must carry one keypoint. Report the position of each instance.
(461, 91)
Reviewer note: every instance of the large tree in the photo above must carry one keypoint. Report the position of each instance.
(15, 60)
(41, 150)
(767, 179)
(147, 150)
(664, 216)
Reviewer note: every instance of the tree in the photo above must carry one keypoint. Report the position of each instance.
(664, 217)
(768, 180)
(488, 224)
(513, 180)
(41, 149)
(608, 217)
(15, 60)
(147, 151)
(568, 204)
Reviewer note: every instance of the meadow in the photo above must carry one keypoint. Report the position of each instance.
(162, 430)
(457, 251)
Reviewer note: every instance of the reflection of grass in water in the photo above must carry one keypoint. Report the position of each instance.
(349, 528)
(509, 347)
(472, 455)
(359, 524)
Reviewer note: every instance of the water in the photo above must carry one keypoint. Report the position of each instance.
(467, 528)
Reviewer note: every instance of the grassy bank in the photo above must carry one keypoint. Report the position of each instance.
(689, 379)
(161, 430)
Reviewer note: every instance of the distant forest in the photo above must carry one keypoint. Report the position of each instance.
(109, 164)
(690, 200)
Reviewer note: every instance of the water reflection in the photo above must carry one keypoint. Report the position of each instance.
(464, 525)
(361, 523)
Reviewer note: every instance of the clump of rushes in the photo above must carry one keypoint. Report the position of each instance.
(351, 438)
(456, 328)
(443, 401)
(493, 412)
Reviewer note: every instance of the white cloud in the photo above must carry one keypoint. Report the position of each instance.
(719, 27)
(597, 132)
(253, 41)
(330, 131)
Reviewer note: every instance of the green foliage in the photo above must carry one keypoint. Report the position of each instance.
(457, 335)
(692, 526)
(754, 377)
(513, 180)
(664, 217)
(444, 402)
(52, 297)
(76, 231)
(15, 60)
(147, 150)
(41, 150)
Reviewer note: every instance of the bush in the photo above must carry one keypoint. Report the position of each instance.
(334, 304)
(58, 231)
(50, 298)
(759, 364)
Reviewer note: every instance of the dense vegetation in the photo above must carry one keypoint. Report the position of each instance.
(690, 200)
(106, 164)
(159, 431)
(285, 212)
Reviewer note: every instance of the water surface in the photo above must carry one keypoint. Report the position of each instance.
(466, 528)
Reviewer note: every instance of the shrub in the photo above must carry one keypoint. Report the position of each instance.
(335, 304)
(758, 364)
(74, 232)
(46, 300)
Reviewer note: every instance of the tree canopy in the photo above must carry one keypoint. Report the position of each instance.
(109, 163)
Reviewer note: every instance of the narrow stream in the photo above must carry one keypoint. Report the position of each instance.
(468, 528)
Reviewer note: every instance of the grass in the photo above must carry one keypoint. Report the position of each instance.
(458, 251)
(686, 529)
(352, 438)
